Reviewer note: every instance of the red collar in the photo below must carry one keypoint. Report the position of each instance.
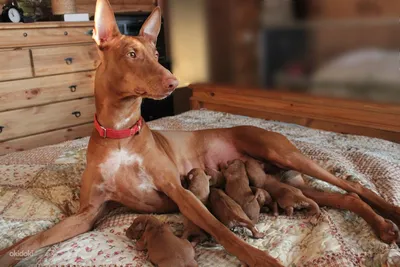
(118, 134)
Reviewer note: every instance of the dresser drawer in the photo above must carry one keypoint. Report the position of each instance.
(44, 139)
(64, 59)
(46, 36)
(43, 90)
(28, 121)
(15, 65)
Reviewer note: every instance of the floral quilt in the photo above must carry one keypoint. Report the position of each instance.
(40, 187)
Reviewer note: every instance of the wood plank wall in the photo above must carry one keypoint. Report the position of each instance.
(88, 6)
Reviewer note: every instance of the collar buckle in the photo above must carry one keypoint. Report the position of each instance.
(104, 131)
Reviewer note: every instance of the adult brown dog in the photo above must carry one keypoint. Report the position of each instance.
(144, 171)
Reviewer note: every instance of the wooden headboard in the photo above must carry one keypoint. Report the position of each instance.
(331, 114)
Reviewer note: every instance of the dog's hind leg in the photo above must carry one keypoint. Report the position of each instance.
(385, 229)
(276, 148)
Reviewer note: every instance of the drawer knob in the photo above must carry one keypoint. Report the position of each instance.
(76, 114)
(72, 88)
(65, 33)
(89, 32)
(69, 60)
(1, 129)
(25, 34)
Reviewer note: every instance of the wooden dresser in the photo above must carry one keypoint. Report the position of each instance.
(46, 83)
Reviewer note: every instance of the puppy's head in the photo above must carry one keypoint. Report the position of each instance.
(138, 227)
(234, 168)
(199, 183)
(255, 173)
(198, 176)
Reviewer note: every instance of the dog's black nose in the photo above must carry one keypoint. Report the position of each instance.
(170, 83)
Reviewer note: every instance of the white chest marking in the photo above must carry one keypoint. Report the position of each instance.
(119, 158)
(115, 160)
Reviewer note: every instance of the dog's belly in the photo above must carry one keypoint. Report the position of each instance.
(220, 151)
(200, 149)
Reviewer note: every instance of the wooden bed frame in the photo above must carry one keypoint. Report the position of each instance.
(331, 114)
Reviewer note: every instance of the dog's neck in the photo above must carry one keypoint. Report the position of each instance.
(114, 111)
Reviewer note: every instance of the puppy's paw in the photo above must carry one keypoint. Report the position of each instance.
(290, 199)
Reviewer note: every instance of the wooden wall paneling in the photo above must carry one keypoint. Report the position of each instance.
(220, 31)
(330, 40)
(88, 6)
(246, 23)
(345, 9)
(233, 28)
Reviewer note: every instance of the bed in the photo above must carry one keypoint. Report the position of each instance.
(40, 187)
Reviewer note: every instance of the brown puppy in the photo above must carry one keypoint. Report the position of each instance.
(217, 178)
(287, 196)
(199, 185)
(164, 248)
(265, 201)
(237, 187)
(226, 210)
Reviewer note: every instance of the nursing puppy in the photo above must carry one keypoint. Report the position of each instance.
(227, 211)
(288, 197)
(217, 179)
(265, 201)
(199, 185)
(164, 248)
(237, 187)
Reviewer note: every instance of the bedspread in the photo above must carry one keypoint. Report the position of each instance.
(40, 187)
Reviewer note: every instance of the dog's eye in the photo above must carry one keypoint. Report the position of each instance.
(132, 54)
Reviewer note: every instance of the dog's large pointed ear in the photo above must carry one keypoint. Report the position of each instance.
(105, 25)
(152, 25)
